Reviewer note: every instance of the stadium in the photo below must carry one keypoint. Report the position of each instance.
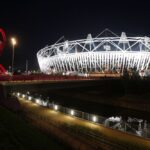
(111, 53)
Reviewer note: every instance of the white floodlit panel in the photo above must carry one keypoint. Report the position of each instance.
(99, 55)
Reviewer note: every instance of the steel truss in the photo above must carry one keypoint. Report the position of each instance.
(96, 54)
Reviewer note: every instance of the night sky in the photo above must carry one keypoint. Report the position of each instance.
(36, 24)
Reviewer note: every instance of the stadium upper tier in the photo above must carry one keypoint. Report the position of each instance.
(96, 54)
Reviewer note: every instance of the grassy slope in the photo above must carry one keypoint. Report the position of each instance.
(16, 133)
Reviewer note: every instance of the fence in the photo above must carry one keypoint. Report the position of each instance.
(76, 131)
(133, 126)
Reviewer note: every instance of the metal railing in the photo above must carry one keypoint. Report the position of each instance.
(141, 128)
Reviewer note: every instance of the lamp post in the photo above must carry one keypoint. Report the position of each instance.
(14, 42)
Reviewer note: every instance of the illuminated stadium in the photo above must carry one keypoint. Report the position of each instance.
(100, 54)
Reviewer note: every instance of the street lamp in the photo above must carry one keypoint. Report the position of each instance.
(14, 42)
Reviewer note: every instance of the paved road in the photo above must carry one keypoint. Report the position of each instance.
(100, 133)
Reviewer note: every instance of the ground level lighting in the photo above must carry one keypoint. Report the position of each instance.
(56, 107)
(94, 119)
(72, 112)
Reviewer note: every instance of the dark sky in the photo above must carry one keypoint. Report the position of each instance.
(39, 23)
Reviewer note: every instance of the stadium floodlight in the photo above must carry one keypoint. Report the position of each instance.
(66, 45)
(98, 54)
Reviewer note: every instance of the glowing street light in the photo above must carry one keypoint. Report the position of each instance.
(14, 42)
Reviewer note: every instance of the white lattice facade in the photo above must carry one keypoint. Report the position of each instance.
(96, 54)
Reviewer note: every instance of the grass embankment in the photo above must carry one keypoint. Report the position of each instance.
(97, 134)
(16, 133)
